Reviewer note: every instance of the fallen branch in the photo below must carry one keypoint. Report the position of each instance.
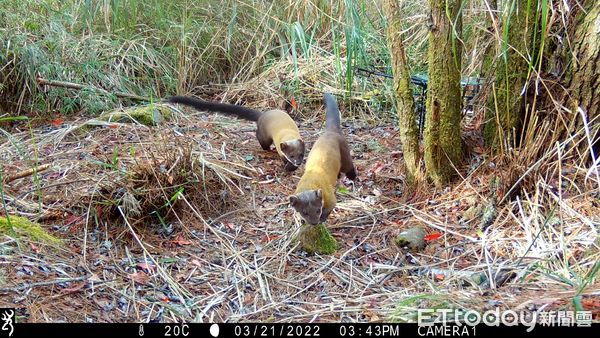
(71, 85)
(27, 172)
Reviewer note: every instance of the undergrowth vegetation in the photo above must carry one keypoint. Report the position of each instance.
(156, 48)
(515, 226)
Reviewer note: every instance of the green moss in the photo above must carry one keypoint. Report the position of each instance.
(405, 106)
(488, 216)
(442, 135)
(21, 226)
(505, 113)
(149, 115)
(317, 239)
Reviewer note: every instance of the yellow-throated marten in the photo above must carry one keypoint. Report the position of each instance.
(314, 198)
(272, 127)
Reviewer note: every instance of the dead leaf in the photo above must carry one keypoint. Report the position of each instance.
(74, 288)
(99, 211)
(433, 236)
(73, 220)
(54, 176)
(377, 167)
(35, 248)
(267, 238)
(57, 122)
(294, 104)
(371, 316)
(74, 223)
(140, 277)
(94, 278)
(179, 240)
(145, 266)
(590, 303)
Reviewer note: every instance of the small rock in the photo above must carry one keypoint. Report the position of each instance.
(368, 248)
(472, 212)
(493, 303)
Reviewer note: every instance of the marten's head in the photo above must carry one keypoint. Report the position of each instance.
(293, 151)
(309, 204)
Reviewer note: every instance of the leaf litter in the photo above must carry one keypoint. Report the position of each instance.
(189, 221)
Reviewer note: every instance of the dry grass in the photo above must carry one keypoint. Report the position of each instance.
(189, 220)
(222, 249)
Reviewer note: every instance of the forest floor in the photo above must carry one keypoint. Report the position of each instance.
(223, 249)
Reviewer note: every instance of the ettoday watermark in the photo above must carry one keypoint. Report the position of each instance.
(497, 317)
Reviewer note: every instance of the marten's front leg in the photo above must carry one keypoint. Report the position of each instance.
(324, 214)
(264, 140)
(288, 166)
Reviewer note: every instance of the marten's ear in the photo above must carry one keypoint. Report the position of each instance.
(319, 193)
(283, 145)
(294, 200)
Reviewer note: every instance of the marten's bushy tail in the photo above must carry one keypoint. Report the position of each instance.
(332, 117)
(228, 109)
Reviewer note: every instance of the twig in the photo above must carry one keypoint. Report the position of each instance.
(26, 286)
(52, 186)
(175, 287)
(71, 85)
(27, 172)
(214, 220)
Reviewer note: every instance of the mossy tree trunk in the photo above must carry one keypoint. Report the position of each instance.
(443, 143)
(506, 108)
(405, 105)
(583, 78)
(491, 50)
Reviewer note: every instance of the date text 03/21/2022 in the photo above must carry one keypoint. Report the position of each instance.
(308, 330)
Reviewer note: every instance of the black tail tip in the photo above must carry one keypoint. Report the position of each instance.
(171, 99)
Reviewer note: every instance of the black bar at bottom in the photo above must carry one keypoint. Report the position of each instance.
(284, 330)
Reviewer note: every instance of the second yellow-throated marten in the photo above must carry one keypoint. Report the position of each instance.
(272, 127)
(315, 198)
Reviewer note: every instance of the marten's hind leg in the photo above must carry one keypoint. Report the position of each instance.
(347, 166)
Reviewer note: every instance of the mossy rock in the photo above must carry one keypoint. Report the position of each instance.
(412, 238)
(22, 227)
(316, 239)
(473, 212)
(149, 115)
(488, 216)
